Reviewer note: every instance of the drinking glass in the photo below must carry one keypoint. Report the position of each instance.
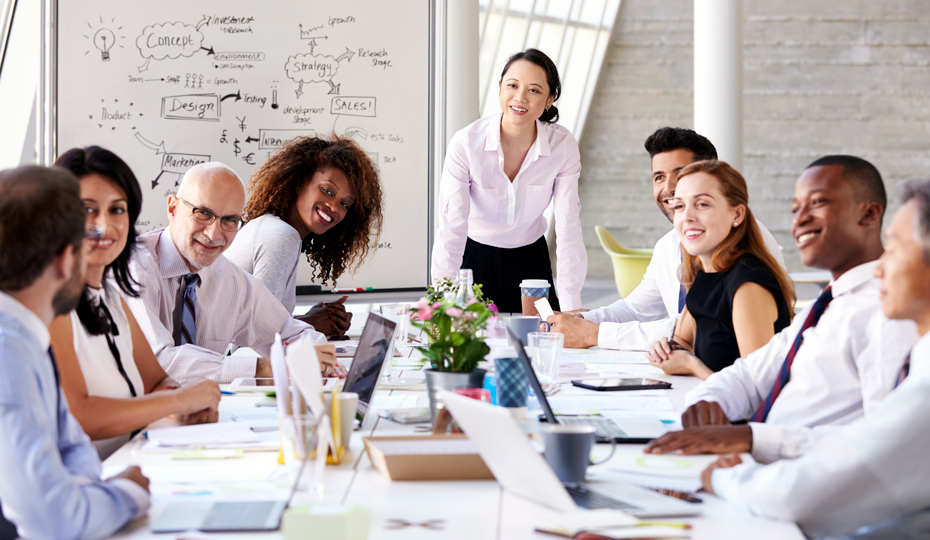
(545, 348)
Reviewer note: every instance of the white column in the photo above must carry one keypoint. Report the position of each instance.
(718, 76)
(461, 67)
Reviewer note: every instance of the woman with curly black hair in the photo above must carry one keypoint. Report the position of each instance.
(320, 197)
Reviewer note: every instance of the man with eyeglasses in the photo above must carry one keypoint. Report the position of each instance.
(195, 303)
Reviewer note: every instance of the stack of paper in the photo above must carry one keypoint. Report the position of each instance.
(204, 435)
(679, 473)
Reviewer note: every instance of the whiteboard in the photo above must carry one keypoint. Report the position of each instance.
(170, 84)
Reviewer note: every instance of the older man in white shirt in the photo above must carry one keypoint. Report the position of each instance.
(650, 311)
(194, 302)
(874, 470)
(822, 371)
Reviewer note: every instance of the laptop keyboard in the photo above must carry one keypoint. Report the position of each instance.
(605, 427)
(594, 501)
(233, 516)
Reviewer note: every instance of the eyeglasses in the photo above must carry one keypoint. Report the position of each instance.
(227, 223)
(92, 238)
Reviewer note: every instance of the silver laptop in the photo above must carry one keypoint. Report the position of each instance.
(376, 344)
(627, 430)
(507, 452)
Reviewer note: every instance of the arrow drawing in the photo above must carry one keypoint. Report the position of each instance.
(251, 139)
(159, 148)
(346, 55)
(333, 88)
(204, 21)
(155, 182)
(145, 66)
(300, 89)
(209, 51)
(150, 80)
(237, 95)
(356, 132)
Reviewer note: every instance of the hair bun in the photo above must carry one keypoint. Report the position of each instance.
(550, 115)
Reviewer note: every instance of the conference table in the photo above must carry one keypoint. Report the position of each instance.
(398, 509)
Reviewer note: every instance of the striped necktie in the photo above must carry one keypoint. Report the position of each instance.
(185, 325)
(820, 305)
(905, 370)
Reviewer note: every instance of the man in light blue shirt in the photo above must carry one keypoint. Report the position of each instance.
(50, 484)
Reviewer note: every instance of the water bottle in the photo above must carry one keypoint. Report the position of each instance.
(465, 294)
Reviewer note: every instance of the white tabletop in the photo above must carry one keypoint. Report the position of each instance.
(468, 509)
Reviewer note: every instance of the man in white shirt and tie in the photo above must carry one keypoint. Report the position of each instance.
(194, 302)
(838, 358)
(650, 311)
(872, 471)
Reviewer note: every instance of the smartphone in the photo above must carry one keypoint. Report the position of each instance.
(612, 385)
(687, 497)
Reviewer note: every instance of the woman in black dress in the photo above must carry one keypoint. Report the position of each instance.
(738, 295)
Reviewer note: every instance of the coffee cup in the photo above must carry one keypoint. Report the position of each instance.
(568, 451)
(521, 325)
(532, 290)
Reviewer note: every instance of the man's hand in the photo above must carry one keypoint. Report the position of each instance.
(704, 440)
(579, 333)
(133, 473)
(724, 462)
(328, 363)
(704, 413)
(329, 318)
(576, 313)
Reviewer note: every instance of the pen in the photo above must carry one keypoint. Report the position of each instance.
(685, 526)
(354, 289)
(227, 393)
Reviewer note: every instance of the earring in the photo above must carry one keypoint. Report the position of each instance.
(547, 108)
(736, 223)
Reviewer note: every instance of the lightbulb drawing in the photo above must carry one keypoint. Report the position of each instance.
(104, 40)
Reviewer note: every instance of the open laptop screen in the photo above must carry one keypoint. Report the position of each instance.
(376, 343)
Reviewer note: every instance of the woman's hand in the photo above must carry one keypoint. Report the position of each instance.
(329, 318)
(676, 361)
(198, 403)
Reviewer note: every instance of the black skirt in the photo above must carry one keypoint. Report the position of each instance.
(500, 271)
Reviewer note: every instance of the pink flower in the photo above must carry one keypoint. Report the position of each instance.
(425, 314)
(436, 305)
(422, 303)
(470, 302)
(493, 307)
(454, 312)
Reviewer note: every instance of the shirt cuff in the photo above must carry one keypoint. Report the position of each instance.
(238, 366)
(725, 483)
(570, 303)
(591, 316)
(138, 495)
(766, 441)
(607, 335)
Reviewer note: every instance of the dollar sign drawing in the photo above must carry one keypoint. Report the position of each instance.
(237, 150)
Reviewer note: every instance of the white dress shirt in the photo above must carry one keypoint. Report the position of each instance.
(650, 311)
(232, 308)
(477, 200)
(49, 473)
(846, 365)
(868, 472)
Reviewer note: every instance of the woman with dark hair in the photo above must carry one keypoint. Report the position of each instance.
(320, 197)
(109, 374)
(739, 297)
(500, 175)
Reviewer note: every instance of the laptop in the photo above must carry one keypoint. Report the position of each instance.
(226, 516)
(376, 344)
(506, 450)
(630, 431)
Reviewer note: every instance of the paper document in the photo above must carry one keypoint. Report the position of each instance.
(608, 402)
(646, 480)
(408, 401)
(570, 358)
(203, 435)
(544, 309)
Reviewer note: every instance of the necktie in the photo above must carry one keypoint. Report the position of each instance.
(185, 328)
(820, 305)
(905, 370)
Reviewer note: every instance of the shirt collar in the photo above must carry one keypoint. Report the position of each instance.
(853, 278)
(492, 141)
(25, 317)
(171, 263)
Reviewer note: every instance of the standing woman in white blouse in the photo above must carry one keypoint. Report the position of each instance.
(500, 174)
(109, 374)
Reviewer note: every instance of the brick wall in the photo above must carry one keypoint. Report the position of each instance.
(820, 78)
